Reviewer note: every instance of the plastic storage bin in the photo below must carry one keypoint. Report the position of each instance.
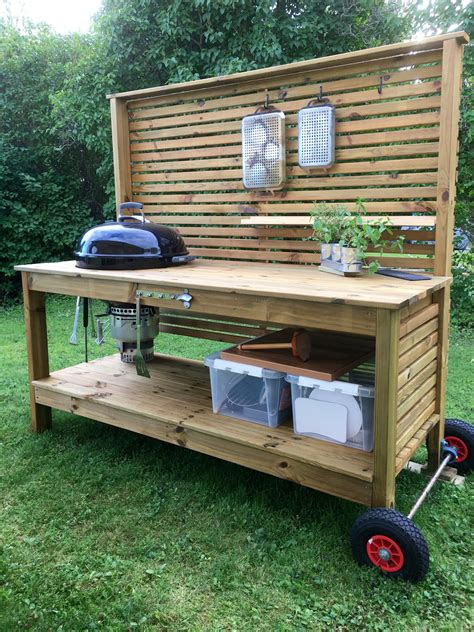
(248, 392)
(340, 411)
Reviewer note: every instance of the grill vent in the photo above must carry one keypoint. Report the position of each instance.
(316, 136)
(263, 150)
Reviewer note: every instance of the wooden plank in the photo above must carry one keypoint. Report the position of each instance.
(223, 121)
(448, 147)
(37, 350)
(405, 454)
(412, 398)
(179, 149)
(442, 299)
(385, 408)
(418, 350)
(265, 206)
(331, 355)
(278, 86)
(420, 192)
(206, 323)
(193, 107)
(451, 94)
(140, 182)
(418, 319)
(410, 372)
(121, 151)
(413, 338)
(306, 220)
(416, 307)
(429, 43)
(415, 383)
(209, 281)
(280, 312)
(310, 476)
(177, 169)
(409, 425)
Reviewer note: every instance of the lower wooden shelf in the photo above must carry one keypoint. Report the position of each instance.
(175, 406)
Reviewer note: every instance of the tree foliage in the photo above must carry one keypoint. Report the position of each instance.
(55, 142)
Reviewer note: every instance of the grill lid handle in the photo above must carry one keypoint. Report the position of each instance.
(133, 206)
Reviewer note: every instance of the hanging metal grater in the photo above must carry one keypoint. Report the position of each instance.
(316, 135)
(263, 149)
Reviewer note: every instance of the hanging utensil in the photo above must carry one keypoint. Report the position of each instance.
(73, 338)
(140, 363)
(85, 322)
(92, 319)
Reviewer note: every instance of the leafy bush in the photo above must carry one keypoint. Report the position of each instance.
(462, 289)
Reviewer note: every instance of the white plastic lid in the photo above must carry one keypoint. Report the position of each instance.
(215, 362)
(344, 387)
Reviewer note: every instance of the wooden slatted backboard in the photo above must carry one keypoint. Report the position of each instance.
(177, 149)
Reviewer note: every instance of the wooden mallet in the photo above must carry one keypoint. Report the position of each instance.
(300, 345)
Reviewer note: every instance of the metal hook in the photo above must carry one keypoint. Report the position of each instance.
(267, 100)
(320, 95)
(379, 89)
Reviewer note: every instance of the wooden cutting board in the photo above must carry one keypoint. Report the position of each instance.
(332, 354)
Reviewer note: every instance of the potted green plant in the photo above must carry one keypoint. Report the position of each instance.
(346, 238)
(328, 228)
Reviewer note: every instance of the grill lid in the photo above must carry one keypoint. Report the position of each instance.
(131, 243)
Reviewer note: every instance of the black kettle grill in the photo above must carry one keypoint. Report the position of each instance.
(131, 243)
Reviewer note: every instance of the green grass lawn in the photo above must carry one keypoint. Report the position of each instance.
(101, 529)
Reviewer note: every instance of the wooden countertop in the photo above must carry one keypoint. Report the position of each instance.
(263, 279)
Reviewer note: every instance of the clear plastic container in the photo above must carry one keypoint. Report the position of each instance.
(248, 392)
(339, 412)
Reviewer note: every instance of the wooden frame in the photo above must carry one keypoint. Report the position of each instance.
(195, 172)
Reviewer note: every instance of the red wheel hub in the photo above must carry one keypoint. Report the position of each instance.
(461, 448)
(385, 553)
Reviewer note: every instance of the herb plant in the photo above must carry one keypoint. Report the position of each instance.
(336, 224)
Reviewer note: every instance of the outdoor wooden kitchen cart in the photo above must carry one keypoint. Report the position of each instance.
(177, 150)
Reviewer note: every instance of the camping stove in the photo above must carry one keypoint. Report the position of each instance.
(123, 327)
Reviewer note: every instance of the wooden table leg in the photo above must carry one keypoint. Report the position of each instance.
(385, 418)
(37, 349)
(436, 434)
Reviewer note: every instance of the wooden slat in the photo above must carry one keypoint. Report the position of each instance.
(421, 389)
(265, 206)
(416, 382)
(430, 43)
(411, 339)
(197, 123)
(407, 374)
(173, 169)
(409, 425)
(406, 312)
(418, 319)
(305, 221)
(293, 184)
(180, 149)
(405, 454)
(250, 93)
(418, 350)
(207, 324)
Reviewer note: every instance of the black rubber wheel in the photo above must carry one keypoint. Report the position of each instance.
(460, 435)
(390, 541)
